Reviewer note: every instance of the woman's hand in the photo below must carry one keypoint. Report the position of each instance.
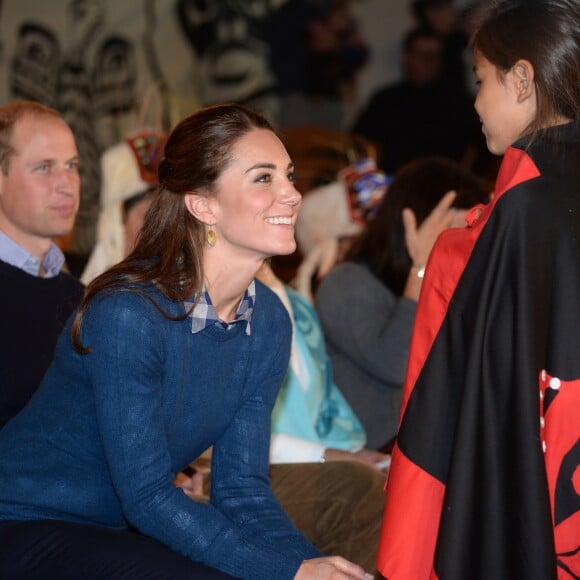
(331, 568)
(420, 240)
(377, 459)
(368, 456)
(191, 485)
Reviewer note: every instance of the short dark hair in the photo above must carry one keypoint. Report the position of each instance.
(419, 32)
(547, 34)
(418, 7)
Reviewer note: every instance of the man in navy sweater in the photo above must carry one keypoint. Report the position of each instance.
(39, 199)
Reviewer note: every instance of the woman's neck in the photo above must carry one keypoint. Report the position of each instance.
(226, 285)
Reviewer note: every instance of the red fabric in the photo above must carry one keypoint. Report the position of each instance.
(559, 431)
(417, 517)
(414, 497)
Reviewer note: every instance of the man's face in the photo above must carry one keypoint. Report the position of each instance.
(423, 62)
(39, 196)
(441, 17)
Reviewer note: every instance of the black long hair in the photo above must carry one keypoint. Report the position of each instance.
(547, 34)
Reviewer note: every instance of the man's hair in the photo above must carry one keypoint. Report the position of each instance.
(419, 6)
(416, 33)
(10, 114)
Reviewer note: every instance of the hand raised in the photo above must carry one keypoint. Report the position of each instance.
(420, 239)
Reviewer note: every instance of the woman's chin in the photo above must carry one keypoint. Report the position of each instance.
(287, 249)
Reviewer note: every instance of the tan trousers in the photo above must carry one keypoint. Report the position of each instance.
(337, 505)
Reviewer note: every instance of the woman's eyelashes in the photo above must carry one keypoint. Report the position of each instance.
(268, 178)
(263, 178)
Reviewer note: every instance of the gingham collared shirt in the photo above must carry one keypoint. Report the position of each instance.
(204, 314)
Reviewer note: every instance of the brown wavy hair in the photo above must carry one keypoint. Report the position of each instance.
(169, 249)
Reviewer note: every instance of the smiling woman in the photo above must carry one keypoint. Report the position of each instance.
(175, 349)
(254, 206)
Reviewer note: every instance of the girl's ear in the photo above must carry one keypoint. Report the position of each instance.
(200, 208)
(523, 75)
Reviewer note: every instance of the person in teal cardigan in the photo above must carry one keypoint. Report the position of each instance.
(173, 350)
(329, 483)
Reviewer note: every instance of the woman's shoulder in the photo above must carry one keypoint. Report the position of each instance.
(268, 305)
(350, 286)
(271, 327)
(139, 301)
(347, 275)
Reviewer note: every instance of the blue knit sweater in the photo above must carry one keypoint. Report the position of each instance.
(105, 434)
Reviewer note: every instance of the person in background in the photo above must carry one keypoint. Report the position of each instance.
(326, 479)
(174, 349)
(453, 27)
(422, 114)
(316, 51)
(39, 199)
(484, 481)
(331, 215)
(367, 303)
(129, 178)
(443, 18)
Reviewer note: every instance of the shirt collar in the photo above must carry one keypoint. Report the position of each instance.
(15, 255)
(204, 314)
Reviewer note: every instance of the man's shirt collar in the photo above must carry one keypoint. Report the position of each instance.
(15, 255)
(204, 314)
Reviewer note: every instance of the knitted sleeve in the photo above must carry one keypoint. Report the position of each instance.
(240, 482)
(125, 333)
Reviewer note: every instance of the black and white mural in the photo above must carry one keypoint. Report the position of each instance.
(230, 42)
(114, 67)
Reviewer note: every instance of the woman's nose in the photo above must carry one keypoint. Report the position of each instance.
(291, 195)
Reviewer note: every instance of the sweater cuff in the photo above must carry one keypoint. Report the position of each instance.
(265, 562)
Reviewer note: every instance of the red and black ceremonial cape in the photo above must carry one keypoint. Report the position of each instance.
(485, 477)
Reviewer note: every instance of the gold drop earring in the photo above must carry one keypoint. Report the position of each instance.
(211, 236)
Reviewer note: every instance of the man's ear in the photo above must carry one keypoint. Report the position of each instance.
(523, 76)
(199, 207)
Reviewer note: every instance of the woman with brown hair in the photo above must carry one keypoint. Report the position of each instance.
(175, 349)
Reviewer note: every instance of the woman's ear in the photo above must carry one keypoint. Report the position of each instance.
(523, 76)
(200, 208)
